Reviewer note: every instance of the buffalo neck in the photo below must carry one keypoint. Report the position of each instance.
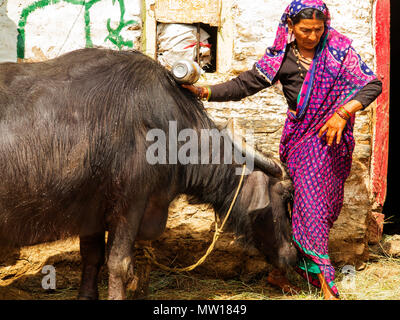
(212, 184)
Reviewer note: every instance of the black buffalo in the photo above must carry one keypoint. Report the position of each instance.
(72, 162)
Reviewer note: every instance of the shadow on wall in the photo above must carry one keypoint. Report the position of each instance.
(8, 35)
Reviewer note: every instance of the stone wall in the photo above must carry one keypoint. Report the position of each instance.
(64, 25)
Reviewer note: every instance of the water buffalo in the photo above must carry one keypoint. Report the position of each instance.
(73, 143)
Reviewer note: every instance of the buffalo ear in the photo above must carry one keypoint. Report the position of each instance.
(256, 191)
(259, 200)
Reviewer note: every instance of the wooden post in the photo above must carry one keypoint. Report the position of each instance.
(198, 44)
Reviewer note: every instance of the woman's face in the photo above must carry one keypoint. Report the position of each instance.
(307, 32)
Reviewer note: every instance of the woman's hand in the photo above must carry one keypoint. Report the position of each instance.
(335, 125)
(193, 89)
(200, 92)
(334, 128)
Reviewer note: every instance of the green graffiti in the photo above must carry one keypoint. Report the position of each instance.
(113, 36)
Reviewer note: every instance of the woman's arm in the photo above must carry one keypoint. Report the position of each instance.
(369, 93)
(246, 84)
(335, 125)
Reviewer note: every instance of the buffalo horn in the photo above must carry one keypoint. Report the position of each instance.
(266, 164)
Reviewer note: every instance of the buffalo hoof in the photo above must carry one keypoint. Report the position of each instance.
(278, 279)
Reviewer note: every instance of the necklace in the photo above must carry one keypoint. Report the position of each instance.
(300, 59)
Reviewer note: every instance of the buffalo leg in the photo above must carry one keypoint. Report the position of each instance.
(143, 268)
(92, 252)
(120, 249)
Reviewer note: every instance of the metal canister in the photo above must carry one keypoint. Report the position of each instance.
(186, 71)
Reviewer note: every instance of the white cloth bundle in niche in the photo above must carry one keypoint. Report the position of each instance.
(177, 41)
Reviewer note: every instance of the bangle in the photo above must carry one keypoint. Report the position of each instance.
(205, 93)
(346, 112)
(209, 93)
(341, 114)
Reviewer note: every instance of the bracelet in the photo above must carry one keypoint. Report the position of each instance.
(341, 114)
(209, 93)
(346, 112)
(205, 96)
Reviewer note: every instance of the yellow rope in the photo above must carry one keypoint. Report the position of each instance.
(150, 255)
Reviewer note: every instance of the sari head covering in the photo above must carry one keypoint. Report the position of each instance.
(270, 63)
(318, 171)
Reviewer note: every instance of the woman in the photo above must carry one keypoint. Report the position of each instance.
(325, 83)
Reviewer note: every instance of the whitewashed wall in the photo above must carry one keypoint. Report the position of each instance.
(8, 35)
(61, 26)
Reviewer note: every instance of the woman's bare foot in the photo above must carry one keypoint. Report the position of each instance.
(278, 278)
(326, 290)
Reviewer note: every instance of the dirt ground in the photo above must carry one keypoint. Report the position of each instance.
(21, 279)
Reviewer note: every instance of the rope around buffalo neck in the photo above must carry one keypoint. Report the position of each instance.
(149, 254)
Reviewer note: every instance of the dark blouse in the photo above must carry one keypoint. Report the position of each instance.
(252, 81)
